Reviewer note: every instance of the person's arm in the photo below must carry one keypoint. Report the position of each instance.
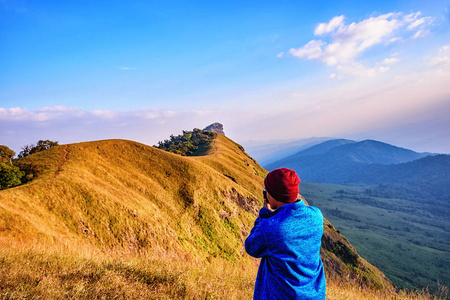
(256, 244)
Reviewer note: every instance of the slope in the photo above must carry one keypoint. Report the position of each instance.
(118, 197)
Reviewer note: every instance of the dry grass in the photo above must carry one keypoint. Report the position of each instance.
(57, 274)
(338, 290)
(54, 275)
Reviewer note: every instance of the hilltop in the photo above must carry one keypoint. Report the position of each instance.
(122, 203)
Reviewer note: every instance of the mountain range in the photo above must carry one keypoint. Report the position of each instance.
(371, 162)
(270, 151)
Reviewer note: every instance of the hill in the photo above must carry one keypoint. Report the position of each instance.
(164, 225)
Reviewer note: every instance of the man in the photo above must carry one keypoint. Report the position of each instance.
(287, 236)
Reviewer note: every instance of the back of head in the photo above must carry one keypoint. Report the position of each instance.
(282, 185)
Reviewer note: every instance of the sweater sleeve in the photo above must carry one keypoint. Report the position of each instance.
(256, 244)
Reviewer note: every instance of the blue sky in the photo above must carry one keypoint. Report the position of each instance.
(141, 70)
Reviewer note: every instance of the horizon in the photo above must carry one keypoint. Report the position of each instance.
(287, 71)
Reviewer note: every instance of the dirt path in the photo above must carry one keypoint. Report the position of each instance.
(63, 161)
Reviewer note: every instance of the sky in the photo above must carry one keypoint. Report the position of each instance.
(75, 71)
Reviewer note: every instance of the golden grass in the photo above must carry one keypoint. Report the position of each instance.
(55, 275)
(338, 290)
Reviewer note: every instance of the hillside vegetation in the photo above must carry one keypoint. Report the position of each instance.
(119, 219)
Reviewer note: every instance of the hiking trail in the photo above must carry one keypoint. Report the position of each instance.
(62, 163)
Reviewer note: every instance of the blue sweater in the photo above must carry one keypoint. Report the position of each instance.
(288, 240)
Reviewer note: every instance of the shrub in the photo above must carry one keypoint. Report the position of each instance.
(188, 143)
(9, 176)
(40, 146)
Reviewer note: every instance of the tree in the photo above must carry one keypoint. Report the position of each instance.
(6, 154)
(9, 176)
(188, 142)
(40, 146)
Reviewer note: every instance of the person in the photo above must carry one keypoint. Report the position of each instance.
(287, 236)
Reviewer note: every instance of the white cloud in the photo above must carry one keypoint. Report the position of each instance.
(280, 55)
(390, 61)
(334, 23)
(356, 69)
(416, 23)
(442, 59)
(421, 33)
(312, 50)
(21, 126)
(127, 68)
(343, 44)
(106, 114)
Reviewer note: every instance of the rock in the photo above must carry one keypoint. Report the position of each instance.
(215, 127)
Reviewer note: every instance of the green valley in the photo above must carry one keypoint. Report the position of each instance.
(408, 239)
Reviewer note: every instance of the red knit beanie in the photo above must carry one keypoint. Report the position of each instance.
(282, 185)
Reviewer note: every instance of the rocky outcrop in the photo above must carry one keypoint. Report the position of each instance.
(215, 127)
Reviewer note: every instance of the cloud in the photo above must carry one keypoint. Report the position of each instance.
(127, 68)
(342, 45)
(390, 61)
(312, 50)
(21, 126)
(414, 21)
(335, 23)
(421, 33)
(442, 59)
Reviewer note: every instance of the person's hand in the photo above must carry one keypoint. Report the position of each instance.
(267, 205)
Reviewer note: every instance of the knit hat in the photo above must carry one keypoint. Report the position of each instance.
(282, 185)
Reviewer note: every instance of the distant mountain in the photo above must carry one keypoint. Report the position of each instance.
(317, 163)
(370, 151)
(324, 147)
(425, 178)
(372, 162)
(269, 152)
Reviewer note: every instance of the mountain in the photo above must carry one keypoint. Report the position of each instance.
(337, 161)
(116, 217)
(324, 147)
(427, 178)
(374, 152)
(268, 152)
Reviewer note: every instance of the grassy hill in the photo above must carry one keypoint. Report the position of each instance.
(119, 219)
